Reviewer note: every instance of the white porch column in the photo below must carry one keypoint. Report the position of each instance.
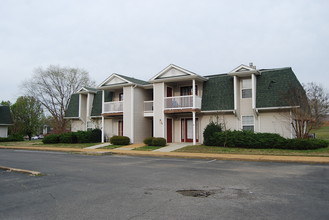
(103, 132)
(193, 92)
(194, 130)
(253, 90)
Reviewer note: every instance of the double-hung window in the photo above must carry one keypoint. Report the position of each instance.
(248, 123)
(246, 89)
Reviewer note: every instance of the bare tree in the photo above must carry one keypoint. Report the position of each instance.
(318, 100)
(53, 87)
(301, 118)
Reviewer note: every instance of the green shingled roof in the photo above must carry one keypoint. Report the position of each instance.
(73, 108)
(218, 93)
(5, 115)
(97, 105)
(133, 80)
(274, 85)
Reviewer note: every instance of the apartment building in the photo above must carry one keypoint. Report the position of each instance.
(177, 104)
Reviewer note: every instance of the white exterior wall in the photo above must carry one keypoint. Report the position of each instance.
(159, 118)
(83, 108)
(142, 127)
(3, 131)
(77, 125)
(273, 122)
(128, 105)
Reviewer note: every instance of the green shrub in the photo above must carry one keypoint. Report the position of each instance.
(83, 136)
(51, 139)
(209, 132)
(120, 140)
(159, 141)
(249, 139)
(96, 135)
(69, 138)
(148, 141)
(14, 137)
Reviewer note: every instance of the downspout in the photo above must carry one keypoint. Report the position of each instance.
(103, 133)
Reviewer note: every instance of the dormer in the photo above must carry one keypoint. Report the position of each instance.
(174, 73)
(244, 70)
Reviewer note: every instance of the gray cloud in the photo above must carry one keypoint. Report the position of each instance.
(140, 38)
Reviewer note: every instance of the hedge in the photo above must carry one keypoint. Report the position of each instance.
(120, 140)
(51, 139)
(249, 139)
(69, 137)
(209, 131)
(11, 138)
(155, 141)
(93, 136)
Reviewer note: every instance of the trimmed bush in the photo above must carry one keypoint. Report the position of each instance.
(51, 139)
(120, 140)
(69, 138)
(209, 132)
(96, 135)
(159, 141)
(83, 136)
(249, 139)
(155, 141)
(148, 141)
(14, 137)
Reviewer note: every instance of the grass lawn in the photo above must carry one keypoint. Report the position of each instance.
(111, 146)
(38, 143)
(321, 133)
(324, 152)
(147, 148)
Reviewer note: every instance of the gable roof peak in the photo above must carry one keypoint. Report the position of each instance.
(177, 72)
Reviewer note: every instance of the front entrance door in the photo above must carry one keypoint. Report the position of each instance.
(187, 130)
(169, 130)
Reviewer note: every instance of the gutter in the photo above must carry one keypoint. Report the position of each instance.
(276, 108)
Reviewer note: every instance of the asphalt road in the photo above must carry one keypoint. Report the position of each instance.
(123, 187)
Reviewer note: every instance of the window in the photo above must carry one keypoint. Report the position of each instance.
(187, 90)
(90, 125)
(246, 90)
(248, 123)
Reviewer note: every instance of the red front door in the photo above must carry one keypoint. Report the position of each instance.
(187, 130)
(169, 130)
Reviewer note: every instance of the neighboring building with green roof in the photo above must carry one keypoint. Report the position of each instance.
(177, 104)
(5, 120)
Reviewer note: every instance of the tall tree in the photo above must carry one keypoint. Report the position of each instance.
(53, 87)
(318, 100)
(27, 115)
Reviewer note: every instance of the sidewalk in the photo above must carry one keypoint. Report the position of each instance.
(123, 151)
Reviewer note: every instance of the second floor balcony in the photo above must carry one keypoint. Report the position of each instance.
(182, 102)
(113, 107)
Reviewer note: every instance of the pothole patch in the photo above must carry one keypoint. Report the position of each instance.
(195, 193)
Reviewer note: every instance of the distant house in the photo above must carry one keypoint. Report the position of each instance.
(177, 104)
(5, 120)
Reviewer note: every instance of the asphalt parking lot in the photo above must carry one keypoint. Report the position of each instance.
(78, 186)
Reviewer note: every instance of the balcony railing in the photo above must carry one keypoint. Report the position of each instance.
(181, 102)
(148, 106)
(113, 107)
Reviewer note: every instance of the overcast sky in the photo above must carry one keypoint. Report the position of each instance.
(139, 38)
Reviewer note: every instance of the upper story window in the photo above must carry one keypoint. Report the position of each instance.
(248, 123)
(187, 90)
(246, 90)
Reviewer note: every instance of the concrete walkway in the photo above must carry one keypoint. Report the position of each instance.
(98, 146)
(171, 147)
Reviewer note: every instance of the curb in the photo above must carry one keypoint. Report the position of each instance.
(30, 172)
(237, 157)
